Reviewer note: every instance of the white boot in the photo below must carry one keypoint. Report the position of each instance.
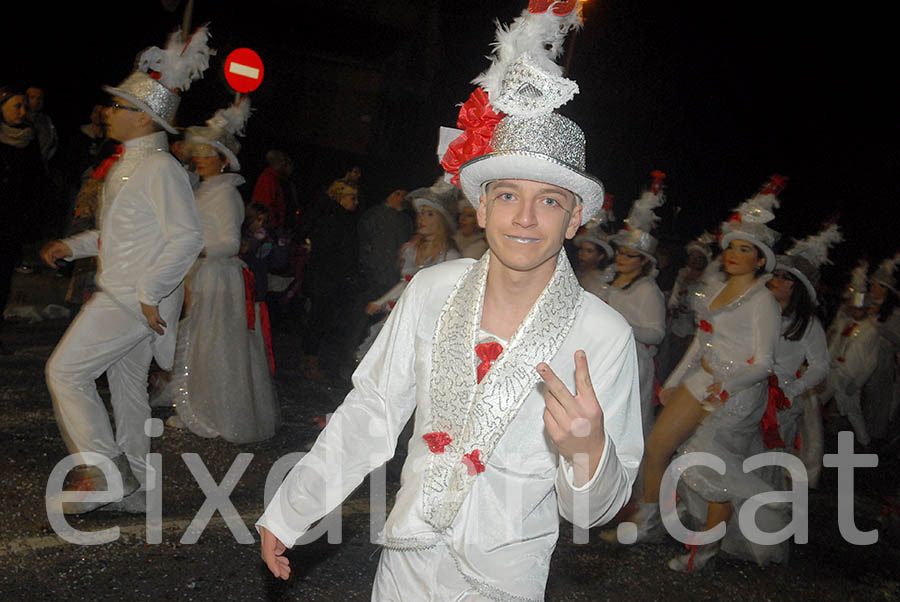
(644, 526)
(698, 557)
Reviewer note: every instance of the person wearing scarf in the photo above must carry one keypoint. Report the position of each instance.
(22, 183)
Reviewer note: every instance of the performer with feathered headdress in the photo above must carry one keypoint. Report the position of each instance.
(495, 459)
(801, 353)
(633, 291)
(882, 391)
(149, 237)
(852, 347)
(715, 397)
(222, 384)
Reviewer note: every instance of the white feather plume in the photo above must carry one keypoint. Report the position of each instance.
(540, 36)
(642, 216)
(180, 63)
(233, 119)
(758, 209)
(815, 248)
(890, 264)
(858, 276)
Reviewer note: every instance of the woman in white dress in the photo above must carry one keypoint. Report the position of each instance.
(716, 396)
(222, 383)
(633, 292)
(881, 390)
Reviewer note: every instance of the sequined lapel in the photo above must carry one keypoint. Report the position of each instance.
(476, 416)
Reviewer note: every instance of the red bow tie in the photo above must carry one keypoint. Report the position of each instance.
(104, 167)
(487, 353)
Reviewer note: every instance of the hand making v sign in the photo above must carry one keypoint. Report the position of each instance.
(574, 422)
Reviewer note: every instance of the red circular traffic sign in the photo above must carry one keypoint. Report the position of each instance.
(243, 70)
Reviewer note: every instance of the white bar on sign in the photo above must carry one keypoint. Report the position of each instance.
(245, 70)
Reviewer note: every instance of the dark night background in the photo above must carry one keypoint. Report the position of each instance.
(719, 95)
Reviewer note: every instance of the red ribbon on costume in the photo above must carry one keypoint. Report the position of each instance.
(267, 334)
(437, 441)
(693, 549)
(705, 326)
(769, 422)
(487, 353)
(107, 163)
(849, 330)
(250, 298)
(473, 462)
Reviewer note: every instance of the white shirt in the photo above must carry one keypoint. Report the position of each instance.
(741, 347)
(506, 529)
(149, 234)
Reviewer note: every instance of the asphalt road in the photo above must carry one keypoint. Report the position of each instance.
(36, 564)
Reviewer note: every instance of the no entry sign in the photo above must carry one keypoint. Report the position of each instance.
(243, 70)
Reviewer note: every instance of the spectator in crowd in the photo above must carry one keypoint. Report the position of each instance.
(432, 244)
(43, 125)
(22, 186)
(270, 188)
(331, 280)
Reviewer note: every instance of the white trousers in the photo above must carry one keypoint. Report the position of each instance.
(428, 575)
(103, 338)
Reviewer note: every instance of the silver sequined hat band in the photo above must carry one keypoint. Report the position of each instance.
(549, 148)
(150, 96)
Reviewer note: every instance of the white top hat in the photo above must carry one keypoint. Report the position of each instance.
(884, 273)
(702, 244)
(806, 257)
(161, 75)
(510, 129)
(749, 221)
(593, 232)
(857, 294)
(642, 219)
(441, 196)
(220, 131)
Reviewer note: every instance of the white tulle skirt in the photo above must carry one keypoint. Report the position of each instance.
(221, 384)
(732, 433)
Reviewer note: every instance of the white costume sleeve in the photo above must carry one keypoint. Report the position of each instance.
(169, 190)
(361, 435)
(83, 244)
(817, 361)
(229, 215)
(618, 391)
(393, 294)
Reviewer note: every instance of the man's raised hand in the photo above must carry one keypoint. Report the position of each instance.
(574, 422)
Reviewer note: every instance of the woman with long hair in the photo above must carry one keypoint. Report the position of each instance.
(801, 355)
(716, 396)
(222, 384)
